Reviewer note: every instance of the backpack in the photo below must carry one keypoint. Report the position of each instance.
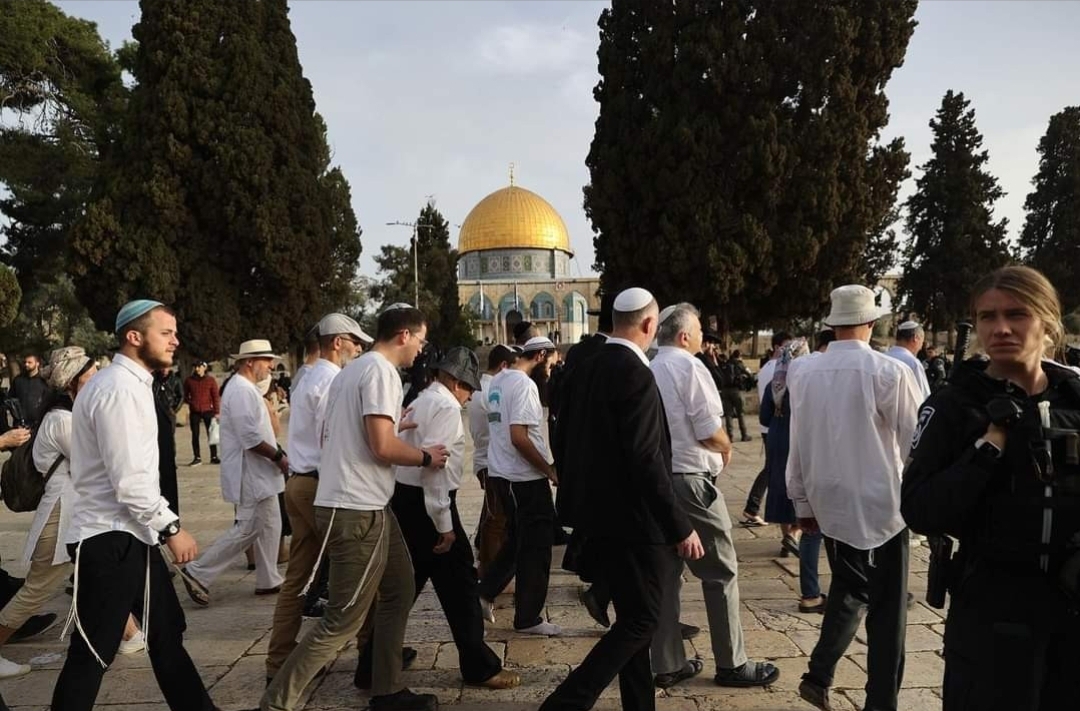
(21, 484)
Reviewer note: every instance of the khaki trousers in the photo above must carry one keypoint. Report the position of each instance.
(492, 529)
(41, 581)
(368, 558)
(303, 551)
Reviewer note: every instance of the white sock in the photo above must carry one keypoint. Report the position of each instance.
(548, 629)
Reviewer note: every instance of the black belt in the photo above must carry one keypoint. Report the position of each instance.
(314, 474)
(708, 475)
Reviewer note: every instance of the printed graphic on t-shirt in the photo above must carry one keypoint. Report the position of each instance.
(494, 400)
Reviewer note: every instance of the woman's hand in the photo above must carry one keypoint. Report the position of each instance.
(14, 437)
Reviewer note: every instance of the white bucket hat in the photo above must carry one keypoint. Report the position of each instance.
(255, 348)
(852, 305)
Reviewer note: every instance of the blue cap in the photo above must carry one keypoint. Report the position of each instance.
(133, 310)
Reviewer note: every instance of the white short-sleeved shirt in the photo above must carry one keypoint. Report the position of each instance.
(350, 475)
(904, 356)
(513, 399)
(437, 415)
(246, 477)
(693, 407)
(307, 411)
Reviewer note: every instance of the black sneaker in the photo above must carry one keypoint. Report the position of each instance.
(195, 462)
(33, 627)
(215, 460)
(404, 700)
(362, 677)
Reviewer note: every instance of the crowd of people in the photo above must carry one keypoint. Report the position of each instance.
(860, 446)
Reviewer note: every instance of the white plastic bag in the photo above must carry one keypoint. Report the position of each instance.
(214, 438)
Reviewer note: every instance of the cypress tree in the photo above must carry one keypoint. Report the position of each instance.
(220, 199)
(953, 238)
(448, 324)
(1050, 239)
(736, 161)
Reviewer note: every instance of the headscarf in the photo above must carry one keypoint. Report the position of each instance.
(788, 353)
(65, 364)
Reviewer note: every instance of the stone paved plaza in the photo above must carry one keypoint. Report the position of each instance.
(228, 639)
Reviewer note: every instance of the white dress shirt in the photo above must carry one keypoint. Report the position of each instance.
(246, 477)
(514, 400)
(307, 410)
(764, 379)
(478, 424)
(437, 415)
(693, 408)
(53, 440)
(114, 457)
(853, 414)
(350, 475)
(904, 356)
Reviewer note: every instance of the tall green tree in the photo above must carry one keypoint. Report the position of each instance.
(62, 93)
(219, 198)
(448, 323)
(954, 239)
(1050, 239)
(737, 160)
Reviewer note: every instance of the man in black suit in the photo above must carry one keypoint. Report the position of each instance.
(613, 439)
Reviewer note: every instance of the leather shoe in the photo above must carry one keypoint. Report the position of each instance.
(268, 591)
(688, 631)
(504, 679)
(33, 626)
(592, 606)
(814, 694)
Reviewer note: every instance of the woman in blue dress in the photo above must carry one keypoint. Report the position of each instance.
(775, 414)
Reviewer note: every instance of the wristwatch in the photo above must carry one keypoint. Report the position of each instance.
(169, 531)
(988, 448)
(426, 461)
(278, 455)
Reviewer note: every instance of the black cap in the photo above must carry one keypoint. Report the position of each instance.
(711, 337)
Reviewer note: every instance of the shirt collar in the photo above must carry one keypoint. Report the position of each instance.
(324, 363)
(631, 345)
(144, 376)
(848, 345)
(439, 390)
(673, 352)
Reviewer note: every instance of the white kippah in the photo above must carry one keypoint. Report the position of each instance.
(908, 326)
(632, 299)
(668, 310)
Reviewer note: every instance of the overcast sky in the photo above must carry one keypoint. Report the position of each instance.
(438, 98)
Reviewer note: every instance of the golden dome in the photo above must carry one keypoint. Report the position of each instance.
(513, 218)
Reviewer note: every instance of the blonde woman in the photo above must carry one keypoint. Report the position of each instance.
(996, 463)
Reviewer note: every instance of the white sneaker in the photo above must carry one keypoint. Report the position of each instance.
(10, 670)
(487, 609)
(547, 629)
(136, 644)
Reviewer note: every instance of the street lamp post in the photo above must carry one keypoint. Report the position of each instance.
(415, 257)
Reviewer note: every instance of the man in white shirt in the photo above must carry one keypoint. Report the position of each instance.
(853, 413)
(253, 469)
(699, 450)
(360, 534)
(909, 341)
(340, 339)
(752, 510)
(520, 474)
(492, 527)
(119, 518)
(425, 503)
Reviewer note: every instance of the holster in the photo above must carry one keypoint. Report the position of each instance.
(940, 571)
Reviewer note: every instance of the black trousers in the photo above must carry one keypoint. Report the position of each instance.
(876, 580)
(733, 406)
(760, 485)
(636, 574)
(111, 583)
(204, 419)
(526, 553)
(1010, 643)
(452, 574)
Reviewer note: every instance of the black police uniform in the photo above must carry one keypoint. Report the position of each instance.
(1012, 638)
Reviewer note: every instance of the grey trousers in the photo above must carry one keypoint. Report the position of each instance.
(718, 571)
